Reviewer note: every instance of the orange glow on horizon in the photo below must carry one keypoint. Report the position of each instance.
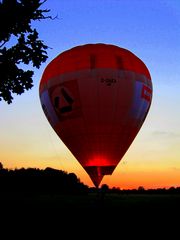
(151, 179)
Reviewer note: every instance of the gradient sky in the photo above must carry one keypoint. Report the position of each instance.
(148, 28)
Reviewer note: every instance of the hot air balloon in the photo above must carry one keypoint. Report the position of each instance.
(96, 98)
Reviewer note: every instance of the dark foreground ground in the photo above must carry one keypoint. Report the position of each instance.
(92, 213)
(52, 204)
(91, 203)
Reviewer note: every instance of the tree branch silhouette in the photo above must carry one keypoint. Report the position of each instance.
(16, 18)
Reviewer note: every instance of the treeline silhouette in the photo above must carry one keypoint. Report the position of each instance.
(50, 180)
(34, 180)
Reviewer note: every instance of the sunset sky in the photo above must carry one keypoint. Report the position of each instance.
(148, 28)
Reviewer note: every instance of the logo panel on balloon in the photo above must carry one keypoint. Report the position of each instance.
(48, 108)
(65, 99)
(142, 100)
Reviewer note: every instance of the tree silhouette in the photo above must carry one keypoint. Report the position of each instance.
(34, 180)
(141, 189)
(1, 166)
(16, 17)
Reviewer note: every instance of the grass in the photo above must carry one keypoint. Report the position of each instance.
(91, 201)
(111, 215)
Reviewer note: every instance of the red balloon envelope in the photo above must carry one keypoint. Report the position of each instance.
(96, 97)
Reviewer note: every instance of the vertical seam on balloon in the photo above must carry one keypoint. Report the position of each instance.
(115, 107)
(120, 66)
(118, 93)
(92, 61)
(98, 111)
(84, 124)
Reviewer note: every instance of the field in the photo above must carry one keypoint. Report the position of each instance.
(119, 202)
(97, 215)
